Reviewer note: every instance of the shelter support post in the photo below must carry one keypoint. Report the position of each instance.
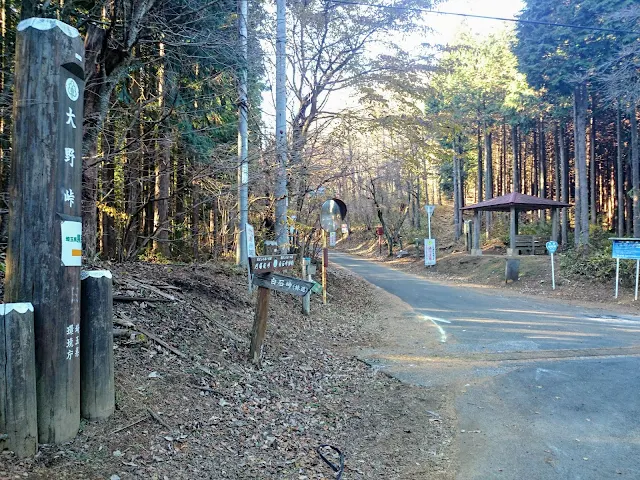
(513, 231)
(554, 224)
(476, 250)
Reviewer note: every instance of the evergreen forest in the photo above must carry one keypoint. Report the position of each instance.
(547, 106)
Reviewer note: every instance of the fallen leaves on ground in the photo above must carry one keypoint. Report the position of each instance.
(206, 412)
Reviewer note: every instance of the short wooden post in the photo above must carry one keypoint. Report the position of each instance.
(18, 411)
(97, 390)
(259, 326)
(44, 251)
(512, 270)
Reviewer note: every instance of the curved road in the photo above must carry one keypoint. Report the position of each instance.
(543, 390)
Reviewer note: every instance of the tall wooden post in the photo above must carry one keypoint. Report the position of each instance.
(97, 390)
(44, 251)
(18, 417)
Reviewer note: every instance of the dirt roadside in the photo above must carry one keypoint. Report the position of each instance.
(217, 417)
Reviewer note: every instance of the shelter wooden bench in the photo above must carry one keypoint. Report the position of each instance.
(530, 245)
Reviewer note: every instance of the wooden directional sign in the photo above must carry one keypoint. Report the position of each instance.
(281, 283)
(271, 263)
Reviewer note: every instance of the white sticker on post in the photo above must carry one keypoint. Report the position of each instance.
(71, 243)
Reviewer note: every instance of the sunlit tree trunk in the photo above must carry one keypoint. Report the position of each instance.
(580, 105)
(488, 154)
(592, 163)
(619, 171)
(564, 183)
(480, 186)
(516, 160)
(635, 169)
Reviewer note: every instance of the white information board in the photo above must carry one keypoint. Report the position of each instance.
(429, 252)
(251, 241)
(71, 254)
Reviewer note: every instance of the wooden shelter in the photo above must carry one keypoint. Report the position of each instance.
(514, 203)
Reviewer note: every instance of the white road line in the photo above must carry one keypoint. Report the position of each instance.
(435, 321)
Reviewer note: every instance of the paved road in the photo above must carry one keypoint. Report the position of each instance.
(544, 390)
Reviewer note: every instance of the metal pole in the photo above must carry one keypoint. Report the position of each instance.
(281, 126)
(306, 300)
(553, 274)
(325, 261)
(637, 272)
(617, 275)
(429, 217)
(243, 142)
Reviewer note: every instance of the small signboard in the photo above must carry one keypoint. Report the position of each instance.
(429, 252)
(429, 209)
(379, 231)
(345, 229)
(332, 239)
(281, 283)
(251, 241)
(271, 263)
(552, 247)
(71, 254)
(626, 248)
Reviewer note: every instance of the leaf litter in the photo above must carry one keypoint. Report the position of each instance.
(196, 408)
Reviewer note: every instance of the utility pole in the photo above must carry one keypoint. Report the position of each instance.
(282, 197)
(243, 141)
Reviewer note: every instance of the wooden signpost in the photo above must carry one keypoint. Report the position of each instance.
(271, 263)
(44, 251)
(265, 279)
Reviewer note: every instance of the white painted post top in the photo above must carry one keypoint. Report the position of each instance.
(95, 274)
(6, 308)
(44, 24)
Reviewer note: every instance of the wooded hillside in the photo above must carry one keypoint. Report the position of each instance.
(547, 108)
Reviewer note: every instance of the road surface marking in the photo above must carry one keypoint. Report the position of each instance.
(435, 321)
(541, 371)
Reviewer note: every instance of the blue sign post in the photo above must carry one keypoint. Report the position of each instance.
(552, 247)
(626, 249)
